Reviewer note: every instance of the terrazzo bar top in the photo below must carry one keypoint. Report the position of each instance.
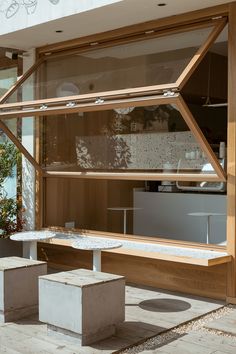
(95, 243)
(196, 256)
(175, 251)
(32, 235)
(176, 254)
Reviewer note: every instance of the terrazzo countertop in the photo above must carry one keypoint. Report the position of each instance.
(32, 235)
(172, 250)
(96, 243)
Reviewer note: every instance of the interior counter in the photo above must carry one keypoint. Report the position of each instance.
(167, 215)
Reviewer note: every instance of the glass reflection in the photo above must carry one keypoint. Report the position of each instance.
(151, 138)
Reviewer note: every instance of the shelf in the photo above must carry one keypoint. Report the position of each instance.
(165, 252)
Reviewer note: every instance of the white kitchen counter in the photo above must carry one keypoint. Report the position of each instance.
(166, 215)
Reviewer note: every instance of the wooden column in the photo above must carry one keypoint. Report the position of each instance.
(231, 184)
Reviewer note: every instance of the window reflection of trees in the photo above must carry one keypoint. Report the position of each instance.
(112, 146)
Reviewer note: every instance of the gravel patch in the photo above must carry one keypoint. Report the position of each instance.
(178, 331)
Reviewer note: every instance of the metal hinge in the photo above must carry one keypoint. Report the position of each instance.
(168, 93)
(217, 17)
(99, 100)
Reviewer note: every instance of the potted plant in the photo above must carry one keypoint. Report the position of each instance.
(11, 219)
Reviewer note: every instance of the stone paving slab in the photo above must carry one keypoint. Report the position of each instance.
(196, 342)
(149, 312)
(225, 324)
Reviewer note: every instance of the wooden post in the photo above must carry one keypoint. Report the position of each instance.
(231, 184)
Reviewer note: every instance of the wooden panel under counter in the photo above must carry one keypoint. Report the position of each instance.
(185, 278)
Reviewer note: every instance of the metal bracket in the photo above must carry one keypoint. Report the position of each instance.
(217, 17)
(168, 93)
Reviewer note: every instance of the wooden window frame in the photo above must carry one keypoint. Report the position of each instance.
(83, 102)
(217, 26)
(193, 17)
(175, 99)
(227, 9)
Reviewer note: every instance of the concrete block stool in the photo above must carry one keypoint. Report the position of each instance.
(19, 287)
(83, 304)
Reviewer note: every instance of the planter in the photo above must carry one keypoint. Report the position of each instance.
(10, 248)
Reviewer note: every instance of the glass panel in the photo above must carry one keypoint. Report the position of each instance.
(11, 212)
(144, 63)
(8, 184)
(7, 78)
(134, 139)
(206, 96)
(207, 86)
(100, 205)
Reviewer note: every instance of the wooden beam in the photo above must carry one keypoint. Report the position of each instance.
(231, 155)
(148, 176)
(92, 106)
(60, 102)
(21, 148)
(192, 124)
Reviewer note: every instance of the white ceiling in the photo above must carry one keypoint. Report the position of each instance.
(119, 14)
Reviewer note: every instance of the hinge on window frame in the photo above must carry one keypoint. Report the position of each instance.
(169, 93)
(216, 18)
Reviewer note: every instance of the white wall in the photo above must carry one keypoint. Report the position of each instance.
(19, 14)
(25, 27)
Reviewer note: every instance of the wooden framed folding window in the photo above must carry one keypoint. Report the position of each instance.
(106, 109)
